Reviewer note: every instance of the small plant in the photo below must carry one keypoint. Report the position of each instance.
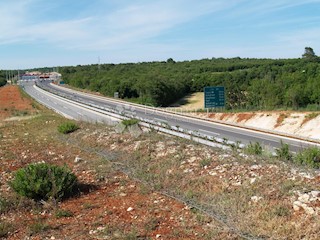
(309, 157)
(38, 227)
(5, 228)
(311, 115)
(4, 205)
(283, 152)
(43, 181)
(254, 148)
(63, 213)
(205, 162)
(281, 211)
(68, 127)
(130, 122)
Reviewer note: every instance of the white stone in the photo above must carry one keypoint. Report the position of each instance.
(213, 173)
(255, 199)
(296, 205)
(255, 167)
(130, 209)
(315, 194)
(252, 180)
(158, 236)
(304, 198)
(77, 159)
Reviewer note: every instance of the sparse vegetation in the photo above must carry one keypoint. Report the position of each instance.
(309, 157)
(283, 152)
(5, 228)
(63, 213)
(38, 227)
(68, 127)
(129, 122)
(42, 181)
(254, 148)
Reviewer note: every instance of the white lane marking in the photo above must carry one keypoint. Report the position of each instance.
(71, 103)
(160, 120)
(210, 132)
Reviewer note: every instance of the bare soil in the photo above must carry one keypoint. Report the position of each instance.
(110, 205)
(152, 187)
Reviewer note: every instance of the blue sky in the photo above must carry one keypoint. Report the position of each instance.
(40, 33)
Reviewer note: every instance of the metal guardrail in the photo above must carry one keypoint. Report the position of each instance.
(156, 125)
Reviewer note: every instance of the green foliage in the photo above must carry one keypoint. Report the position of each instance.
(283, 152)
(254, 148)
(3, 80)
(63, 213)
(68, 127)
(251, 84)
(129, 122)
(309, 157)
(43, 181)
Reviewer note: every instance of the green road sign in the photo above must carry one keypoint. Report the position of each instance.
(214, 97)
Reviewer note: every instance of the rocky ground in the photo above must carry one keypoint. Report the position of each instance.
(150, 187)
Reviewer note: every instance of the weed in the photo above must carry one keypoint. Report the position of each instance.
(63, 213)
(283, 152)
(254, 148)
(152, 224)
(309, 157)
(38, 227)
(4, 205)
(130, 122)
(281, 211)
(5, 228)
(205, 162)
(312, 115)
(68, 127)
(88, 206)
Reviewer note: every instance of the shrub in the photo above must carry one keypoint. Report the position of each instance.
(43, 181)
(309, 157)
(283, 152)
(68, 127)
(129, 122)
(254, 148)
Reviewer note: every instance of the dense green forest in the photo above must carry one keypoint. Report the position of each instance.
(251, 84)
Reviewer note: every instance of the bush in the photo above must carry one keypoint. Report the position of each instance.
(43, 181)
(254, 148)
(309, 157)
(68, 127)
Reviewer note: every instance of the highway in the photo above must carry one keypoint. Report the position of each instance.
(210, 129)
(67, 109)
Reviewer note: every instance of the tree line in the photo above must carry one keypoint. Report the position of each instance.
(253, 84)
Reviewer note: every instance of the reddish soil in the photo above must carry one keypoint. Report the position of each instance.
(242, 117)
(114, 207)
(11, 100)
